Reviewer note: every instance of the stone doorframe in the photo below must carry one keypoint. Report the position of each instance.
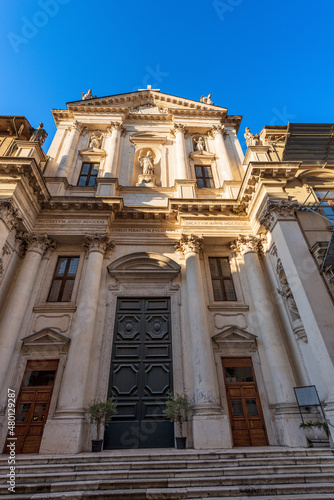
(46, 344)
(142, 274)
(236, 342)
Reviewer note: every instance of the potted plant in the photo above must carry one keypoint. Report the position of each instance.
(316, 432)
(100, 412)
(177, 410)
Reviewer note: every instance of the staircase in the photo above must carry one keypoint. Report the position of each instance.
(267, 473)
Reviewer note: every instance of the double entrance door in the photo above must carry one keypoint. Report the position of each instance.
(141, 375)
(248, 428)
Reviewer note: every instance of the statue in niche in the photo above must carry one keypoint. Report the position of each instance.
(39, 134)
(95, 140)
(200, 144)
(87, 95)
(147, 163)
(251, 139)
(147, 178)
(206, 100)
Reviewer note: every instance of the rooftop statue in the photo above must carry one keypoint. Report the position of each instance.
(39, 135)
(206, 100)
(88, 95)
(251, 139)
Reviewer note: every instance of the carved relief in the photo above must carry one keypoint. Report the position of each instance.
(191, 243)
(285, 291)
(148, 109)
(10, 215)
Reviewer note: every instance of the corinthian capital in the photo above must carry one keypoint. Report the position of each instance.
(178, 127)
(245, 244)
(9, 214)
(35, 242)
(115, 126)
(76, 126)
(216, 129)
(191, 243)
(98, 243)
(278, 209)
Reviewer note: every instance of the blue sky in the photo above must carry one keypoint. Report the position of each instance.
(268, 60)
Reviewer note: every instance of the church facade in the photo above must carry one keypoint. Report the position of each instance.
(145, 254)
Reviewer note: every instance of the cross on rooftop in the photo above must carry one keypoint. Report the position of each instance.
(149, 87)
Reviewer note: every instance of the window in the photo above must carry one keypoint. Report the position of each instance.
(222, 283)
(88, 174)
(204, 176)
(327, 204)
(63, 279)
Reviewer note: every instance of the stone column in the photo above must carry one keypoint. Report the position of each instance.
(112, 146)
(208, 425)
(7, 280)
(315, 307)
(181, 155)
(69, 148)
(224, 164)
(71, 400)
(13, 314)
(271, 340)
(9, 220)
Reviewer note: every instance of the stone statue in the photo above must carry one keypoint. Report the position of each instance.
(95, 141)
(251, 140)
(147, 163)
(39, 134)
(88, 95)
(206, 100)
(200, 144)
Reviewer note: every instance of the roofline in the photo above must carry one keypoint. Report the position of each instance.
(146, 90)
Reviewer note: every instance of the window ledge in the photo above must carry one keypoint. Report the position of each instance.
(56, 307)
(234, 306)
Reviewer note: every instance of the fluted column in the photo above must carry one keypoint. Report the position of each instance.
(112, 146)
(12, 316)
(208, 421)
(268, 329)
(9, 220)
(181, 154)
(71, 142)
(71, 398)
(224, 164)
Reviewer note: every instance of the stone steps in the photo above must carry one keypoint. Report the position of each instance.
(130, 474)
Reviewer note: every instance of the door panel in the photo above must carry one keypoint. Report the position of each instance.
(32, 405)
(141, 375)
(248, 428)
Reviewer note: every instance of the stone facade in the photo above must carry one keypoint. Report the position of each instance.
(149, 196)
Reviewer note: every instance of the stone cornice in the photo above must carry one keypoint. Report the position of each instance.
(278, 172)
(191, 243)
(246, 244)
(28, 168)
(277, 209)
(98, 243)
(79, 203)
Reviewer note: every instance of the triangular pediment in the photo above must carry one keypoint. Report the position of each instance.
(47, 336)
(235, 335)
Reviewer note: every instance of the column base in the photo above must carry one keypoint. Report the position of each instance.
(64, 435)
(287, 419)
(211, 429)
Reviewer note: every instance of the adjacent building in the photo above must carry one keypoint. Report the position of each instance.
(145, 254)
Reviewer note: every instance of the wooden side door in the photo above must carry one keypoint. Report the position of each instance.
(33, 404)
(248, 427)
